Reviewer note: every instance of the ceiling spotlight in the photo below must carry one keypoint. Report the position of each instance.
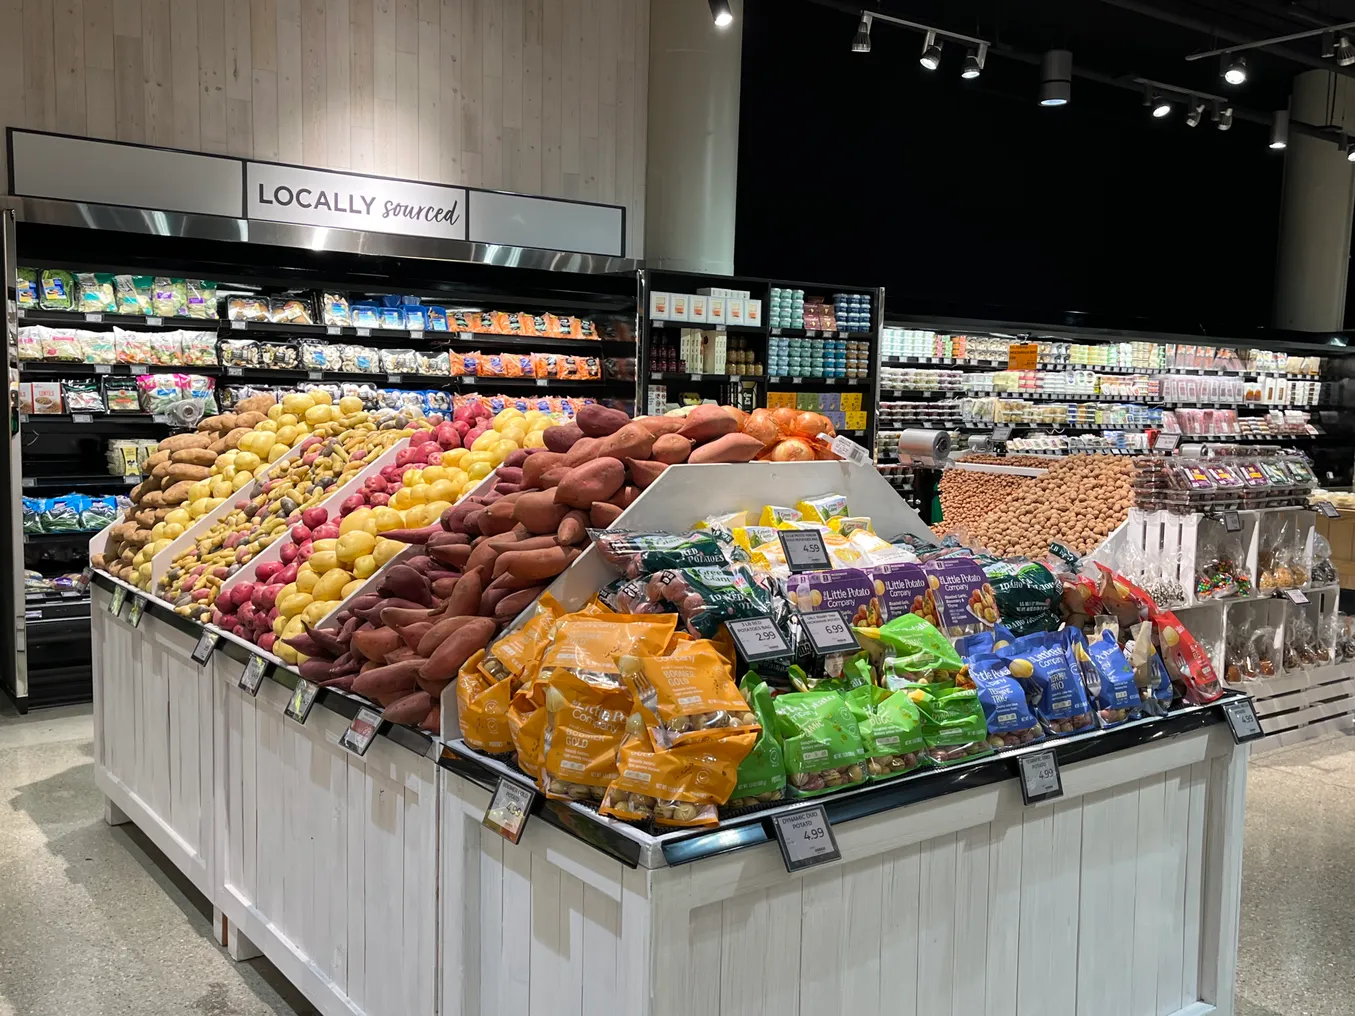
(1328, 45)
(1279, 129)
(931, 52)
(973, 62)
(1234, 68)
(1345, 52)
(1196, 113)
(1056, 78)
(1161, 107)
(719, 10)
(1350, 151)
(861, 44)
(1225, 119)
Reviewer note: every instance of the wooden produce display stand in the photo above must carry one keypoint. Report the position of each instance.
(951, 895)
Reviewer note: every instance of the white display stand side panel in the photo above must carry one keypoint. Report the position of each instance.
(1122, 897)
(328, 860)
(153, 735)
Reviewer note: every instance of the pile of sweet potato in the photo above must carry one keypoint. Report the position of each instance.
(490, 556)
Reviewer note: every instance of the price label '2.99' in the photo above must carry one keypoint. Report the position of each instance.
(758, 639)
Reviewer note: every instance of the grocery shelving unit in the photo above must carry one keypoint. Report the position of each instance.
(751, 390)
(51, 454)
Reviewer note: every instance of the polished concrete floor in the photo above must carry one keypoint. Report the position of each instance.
(95, 922)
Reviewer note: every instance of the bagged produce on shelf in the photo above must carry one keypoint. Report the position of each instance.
(636, 554)
(200, 299)
(82, 396)
(1121, 598)
(482, 707)
(399, 361)
(1005, 708)
(1108, 678)
(57, 290)
(334, 310)
(891, 730)
(1320, 569)
(687, 694)
(708, 597)
(98, 347)
(290, 310)
(909, 649)
(1026, 595)
(133, 294)
(95, 293)
(953, 725)
(166, 349)
(121, 395)
(1045, 665)
(1186, 660)
(821, 742)
(61, 343)
(29, 343)
(239, 353)
(279, 355)
(762, 774)
(247, 308)
(1150, 672)
(512, 654)
(132, 347)
(357, 359)
(965, 600)
(169, 297)
(26, 295)
(1220, 568)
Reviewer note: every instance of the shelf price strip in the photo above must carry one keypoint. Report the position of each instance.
(806, 837)
(509, 809)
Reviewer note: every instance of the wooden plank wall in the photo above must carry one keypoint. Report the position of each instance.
(536, 96)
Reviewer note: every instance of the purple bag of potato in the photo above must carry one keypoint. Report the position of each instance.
(903, 589)
(964, 599)
(849, 590)
(1045, 665)
(1005, 709)
(1109, 679)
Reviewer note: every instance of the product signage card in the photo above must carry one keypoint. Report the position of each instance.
(1040, 778)
(362, 731)
(804, 549)
(316, 197)
(1166, 442)
(508, 809)
(848, 449)
(252, 676)
(758, 639)
(137, 609)
(303, 697)
(1023, 355)
(829, 632)
(1232, 522)
(1296, 596)
(1002, 431)
(806, 837)
(1328, 509)
(119, 598)
(202, 652)
(1241, 716)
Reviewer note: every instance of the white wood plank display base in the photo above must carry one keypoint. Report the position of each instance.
(1122, 897)
(153, 735)
(328, 859)
(1302, 705)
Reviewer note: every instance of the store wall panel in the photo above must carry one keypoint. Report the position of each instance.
(534, 96)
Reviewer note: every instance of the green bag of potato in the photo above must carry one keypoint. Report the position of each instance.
(821, 742)
(953, 725)
(762, 774)
(891, 730)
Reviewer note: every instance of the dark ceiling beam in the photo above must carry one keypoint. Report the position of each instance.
(1294, 55)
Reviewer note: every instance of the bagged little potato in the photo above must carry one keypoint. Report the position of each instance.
(1109, 680)
(821, 742)
(686, 695)
(636, 554)
(707, 597)
(762, 774)
(1027, 595)
(913, 650)
(1150, 673)
(891, 730)
(511, 654)
(482, 708)
(953, 726)
(527, 723)
(682, 786)
(1186, 660)
(1046, 667)
(1007, 713)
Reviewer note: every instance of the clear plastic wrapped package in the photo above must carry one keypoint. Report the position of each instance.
(1220, 569)
(434, 363)
(335, 311)
(198, 348)
(290, 310)
(279, 355)
(399, 361)
(239, 353)
(361, 359)
(131, 347)
(201, 299)
(321, 356)
(1321, 571)
(98, 347)
(247, 308)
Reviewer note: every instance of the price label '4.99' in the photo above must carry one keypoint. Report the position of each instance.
(806, 837)
(758, 639)
(1040, 778)
(1242, 721)
(829, 632)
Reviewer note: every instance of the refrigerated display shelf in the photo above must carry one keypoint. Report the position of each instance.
(1099, 368)
(59, 481)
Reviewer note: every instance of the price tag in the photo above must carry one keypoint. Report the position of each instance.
(1002, 431)
(830, 380)
(1296, 596)
(361, 732)
(160, 418)
(735, 378)
(103, 368)
(1242, 721)
(696, 377)
(1328, 509)
(137, 609)
(395, 379)
(202, 652)
(234, 371)
(804, 549)
(509, 808)
(1040, 779)
(237, 326)
(1166, 442)
(119, 598)
(81, 418)
(653, 377)
(303, 697)
(775, 331)
(96, 318)
(797, 380)
(1232, 522)
(829, 632)
(155, 321)
(315, 375)
(758, 639)
(416, 334)
(132, 479)
(252, 676)
(28, 481)
(806, 837)
(331, 329)
(364, 333)
(541, 382)
(848, 449)
(1022, 355)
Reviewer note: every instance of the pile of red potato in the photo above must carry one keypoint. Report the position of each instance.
(402, 645)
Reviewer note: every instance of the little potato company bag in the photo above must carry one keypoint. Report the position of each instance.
(512, 653)
(1044, 664)
(822, 744)
(482, 708)
(762, 775)
(891, 730)
(1110, 680)
(678, 787)
(686, 694)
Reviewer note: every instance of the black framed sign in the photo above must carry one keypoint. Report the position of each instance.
(804, 549)
(509, 808)
(362, 731)
(1040, 777)
(806, 837)
(829, 632)
(758, 639)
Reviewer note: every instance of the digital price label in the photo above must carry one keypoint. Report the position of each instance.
(303, 697)
(1242, 721)
(1296, 596)
(119, 598)
(1328, 509)
(804, 550)
(509, 809)
(202, 652)
(1232, 522)
(252, 676)
(1002, 431)
(829, 632)
(1040, 779)
(362, 731)
(758, 639)
(135, 611)
(806, 837)
(1166, 442)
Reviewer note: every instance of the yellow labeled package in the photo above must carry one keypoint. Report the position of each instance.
(511, 654)
(774, 515)
(482, 708)
(848, 524)
(822, 508)
(527, 723)
(763, 548)
(688, 694)
(679, 787)
(727, 522)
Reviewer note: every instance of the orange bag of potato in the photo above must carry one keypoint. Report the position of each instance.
(688, 695)
(510, 655)
(679, 787)
(482, 706)
(527, 723)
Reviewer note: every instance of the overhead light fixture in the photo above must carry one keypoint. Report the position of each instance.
(1328, 45)
(1350, 150)
(861, 43)
(719, 10)
(1161, 107)
(931, 52)
(1225, 119)
(973, 62)
(1279, 129)
(1234, 68)
(1196, 113)
(1056, 78)
(1345, 52)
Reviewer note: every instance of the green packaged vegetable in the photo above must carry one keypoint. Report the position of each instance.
(821, 742)
(1027, 595)
(953, 726)
(26, 296)
(762, 774)
(891, 730)
(169, 297)
(58, 290)
(913, 650)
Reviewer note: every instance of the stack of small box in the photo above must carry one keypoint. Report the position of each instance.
(843, 409)
(853, 311)
(707, 307)
(787, 308)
